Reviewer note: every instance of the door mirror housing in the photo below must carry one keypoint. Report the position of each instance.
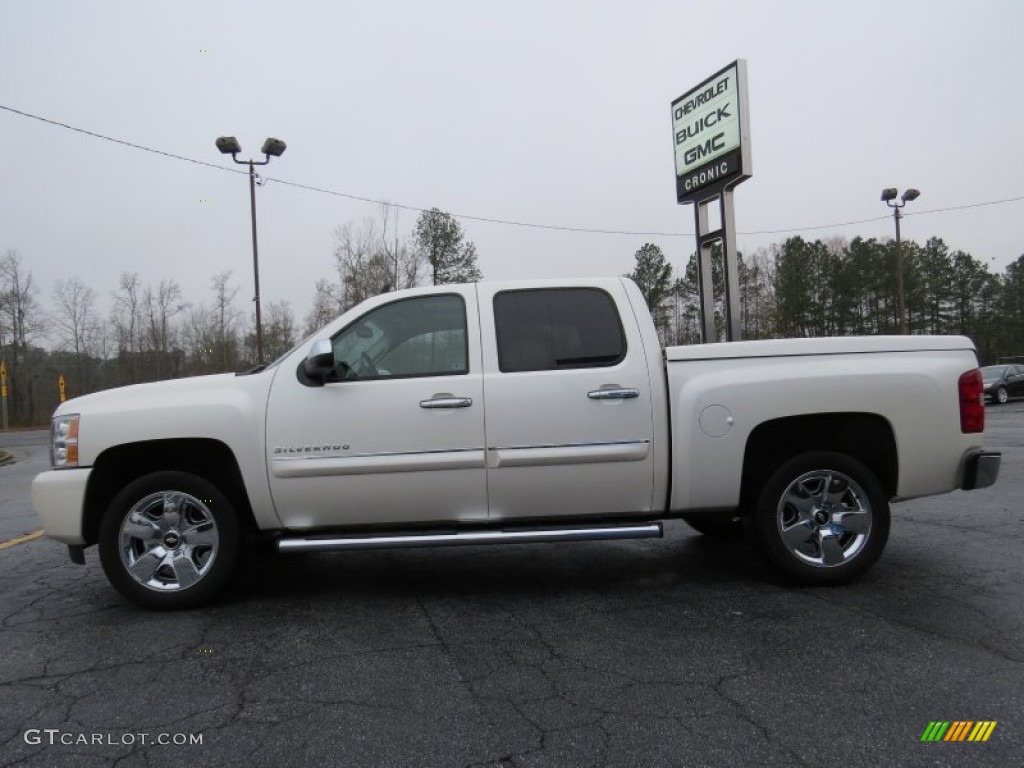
(319, 362)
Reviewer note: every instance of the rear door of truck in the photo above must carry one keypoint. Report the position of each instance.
(568, 402)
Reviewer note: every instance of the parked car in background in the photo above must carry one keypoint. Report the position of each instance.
(1003, 382)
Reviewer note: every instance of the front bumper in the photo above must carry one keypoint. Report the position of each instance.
(981, 470)
(58, 497)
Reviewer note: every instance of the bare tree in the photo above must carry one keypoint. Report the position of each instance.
(197, 337)
(76, 322)
(326, 306)
(75, 316)
(126, 318)
(369, 260)
(364, 269)
(159, 308)
(278, 329)
(21, 322)
(408, 264)
(226, 319)
(757, 294)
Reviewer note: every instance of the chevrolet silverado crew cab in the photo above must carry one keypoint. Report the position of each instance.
(514, 412)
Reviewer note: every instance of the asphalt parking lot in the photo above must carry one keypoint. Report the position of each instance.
(676, 652)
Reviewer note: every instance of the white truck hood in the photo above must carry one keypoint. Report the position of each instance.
(146, 396)
(224, 407)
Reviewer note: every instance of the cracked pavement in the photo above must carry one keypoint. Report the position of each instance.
(674, 652)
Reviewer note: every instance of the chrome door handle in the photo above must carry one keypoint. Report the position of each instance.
(624, 393)
(447, 402)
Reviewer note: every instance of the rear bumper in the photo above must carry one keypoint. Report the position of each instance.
(981, 470)
(58, 497)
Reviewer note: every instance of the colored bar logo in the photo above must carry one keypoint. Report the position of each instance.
(958, 730)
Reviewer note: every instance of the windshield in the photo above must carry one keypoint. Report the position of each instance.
(993, 371)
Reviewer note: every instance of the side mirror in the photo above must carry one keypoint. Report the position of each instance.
(320, 361)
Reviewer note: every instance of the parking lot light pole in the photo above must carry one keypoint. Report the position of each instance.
(228, 145)
(889, 196)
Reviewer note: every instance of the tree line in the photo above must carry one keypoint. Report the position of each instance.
(837, 287)
(796, 288)
(153, 332)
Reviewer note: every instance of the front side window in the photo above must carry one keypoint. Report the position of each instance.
(422, 336)
(557, 328)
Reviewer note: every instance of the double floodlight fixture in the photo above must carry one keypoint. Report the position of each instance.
(228, 145)
(890, 193)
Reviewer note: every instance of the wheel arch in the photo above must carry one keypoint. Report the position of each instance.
(119, 465)
(866, 437)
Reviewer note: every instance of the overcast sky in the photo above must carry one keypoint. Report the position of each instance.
(544, 112)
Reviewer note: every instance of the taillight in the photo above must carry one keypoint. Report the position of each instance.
(972, 402)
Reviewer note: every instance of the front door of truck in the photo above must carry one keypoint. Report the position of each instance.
(569, 412)
(396, 434)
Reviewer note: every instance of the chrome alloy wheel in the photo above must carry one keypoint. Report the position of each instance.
(824, 518)
(168, 541)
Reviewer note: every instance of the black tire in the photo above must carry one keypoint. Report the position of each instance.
(172, 527)
(1002, 396)
(727, 527)
(818, 538)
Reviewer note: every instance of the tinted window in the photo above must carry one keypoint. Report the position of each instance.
(424, 336)
(558, 328)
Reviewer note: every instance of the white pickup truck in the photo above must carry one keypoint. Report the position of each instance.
(514, 412)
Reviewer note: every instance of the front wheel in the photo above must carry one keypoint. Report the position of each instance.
(821, 518)
(1002, 396)
(169, 540)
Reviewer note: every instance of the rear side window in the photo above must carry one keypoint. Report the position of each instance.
(557, 328)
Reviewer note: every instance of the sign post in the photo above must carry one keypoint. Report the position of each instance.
(3, 392)
(711, 135)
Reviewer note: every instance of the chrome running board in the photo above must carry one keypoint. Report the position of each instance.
(516, 536)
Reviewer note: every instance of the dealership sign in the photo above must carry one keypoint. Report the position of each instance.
(711, 134)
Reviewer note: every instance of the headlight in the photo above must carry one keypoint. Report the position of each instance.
(64, 441)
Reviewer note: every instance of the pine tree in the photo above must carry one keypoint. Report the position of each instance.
(441, 242)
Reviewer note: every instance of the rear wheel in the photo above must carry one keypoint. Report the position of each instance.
(169, 540)
(821, 518)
